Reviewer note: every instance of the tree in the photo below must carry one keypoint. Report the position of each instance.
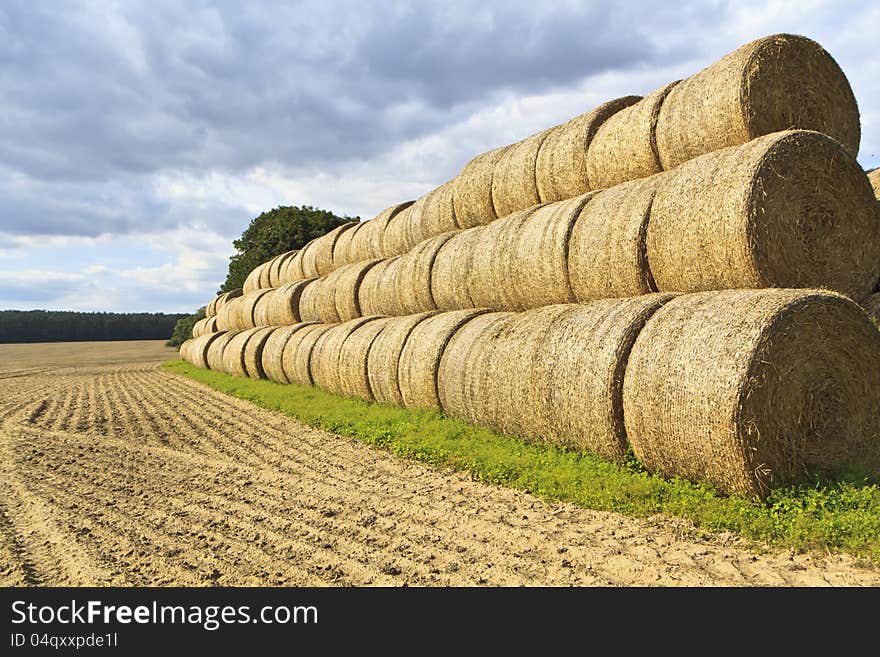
(283, 229)
(183, 329)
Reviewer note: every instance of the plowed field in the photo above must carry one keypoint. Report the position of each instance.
(114, 471)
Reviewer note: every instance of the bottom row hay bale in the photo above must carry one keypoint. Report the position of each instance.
(184, 350)
(384, 357)
(234, 354)
(324, 359)
(273, 351)
(421, 354)
(751, 389)
(353, 354)
(214, 355)
(297, 354)
(253, 352)
(198, 350)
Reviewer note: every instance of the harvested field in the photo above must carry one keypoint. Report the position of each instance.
(116, 472)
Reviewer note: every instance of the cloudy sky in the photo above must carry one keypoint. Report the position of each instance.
(138, 139)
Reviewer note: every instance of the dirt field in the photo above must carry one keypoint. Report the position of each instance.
(114, 471)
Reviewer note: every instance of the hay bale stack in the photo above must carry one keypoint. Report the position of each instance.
(346, 288)
(449, 283)
(262, 308)
(353, 356)
(227, 316)
(292, 270)
(775, 83)
(514, 186)
(491, 267)
(607, 255)
(413, 276)
(371, 293)
(792, 209)
(459, 375)
(234, 353)
(264, 276)
(198, 349)
(397, 235)
(318, 260)
(433, 214)
(561, 167)
(273, 351)
(278, 267)
(211, 325)
(310, 300)
(324, 360)
(625, 147)
(246, 310)
(472, 190)
(253, 352)
(296, 357)
(872, 307)
(200, 327)
(369, 242)
(384, 357)
(219, 301)
(284, 307)
(538, 256)
(214, 354)
(751, 389)
(345, 249)
(252, 280)
(421, 354)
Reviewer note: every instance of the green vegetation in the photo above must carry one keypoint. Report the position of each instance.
(840, 515)
(183, 329)
(274, 232)
(65, 326)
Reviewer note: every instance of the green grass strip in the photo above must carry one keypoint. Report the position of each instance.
(842, 515)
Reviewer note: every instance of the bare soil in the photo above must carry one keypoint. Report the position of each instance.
(114, 471)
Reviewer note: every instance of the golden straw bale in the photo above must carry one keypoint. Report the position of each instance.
(273, 351)
(449, 281)
(292, 270)
(396, 237)
(384, 357)
(311, 299)
(296, 357)
(779, 82)
(413, 276)
(253, 352)
(752, 389)
(514, 186)
(561, 167)
(624, 147)
(472, 190)
(324, 359)
(872, 307)
(262, 307)
(284, 308)
(214, 355)
(234, 353)
(353, 355)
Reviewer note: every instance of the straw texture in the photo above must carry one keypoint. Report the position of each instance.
(374, 298)
(253, 352)
(514, 186)
(234, 353)
(296, 357)
(750, 389)
(292, 269)
(472, 190)
(397, 237)
(353, 357)
(384, 357)
(324, 360)
(414, 274)
(284, 307)
(262, 308)
(311, 300)
(273, 351)
(214, 355)
(561, 166)
(449, 274)
(775, 83)
(872, 307)
(791, 209)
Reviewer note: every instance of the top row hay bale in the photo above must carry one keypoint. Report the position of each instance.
(749, 389)
(292, 269)
(561, 167)
(367, 244)
(214, 306)
(514, 185)
(252, 280)
(317, 259)
(624, 147)
(200, 327)
(775, 83)
(396, 239)
(472, 190)
(277, 266)
(433, 214)
(791, 209)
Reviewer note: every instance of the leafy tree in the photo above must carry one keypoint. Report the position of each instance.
(184, 327)
(283, 229)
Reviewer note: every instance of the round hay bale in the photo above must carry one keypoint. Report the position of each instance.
(296, 357)
(775, 83)
(307, 261)
(262, 308)
(514, 186)
(234, 362)
(421, 354)
(438, 212)
(460, 380)
(214, 354)
(449, 281)
(310, 300)
(273, 351)
(278, 267)
(252, 280)
(198, 350)
(377, 294)
(246, 315)
(324, 360)
(345, 250)
(228, 317)
(872, 307)
(369, 244)
(264, 276)
(414, 273)
(538, 256)
(353, 355)
(226, 297)
(791, 209)
(345, 284)
(211, 308)
(211, 326)
(184, 351)
(284, 307)
(384, 357)
(292, 269)
(752, 389)
(320, 255)
(607, 254)
(625, 146)
(253, 352)
(200, 327)
(490, 273)
(472, 190)
(396, 238)
(561, 167)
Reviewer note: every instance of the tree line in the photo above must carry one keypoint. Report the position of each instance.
(67, 326)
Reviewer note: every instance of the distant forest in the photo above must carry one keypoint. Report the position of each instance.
(63, 326)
